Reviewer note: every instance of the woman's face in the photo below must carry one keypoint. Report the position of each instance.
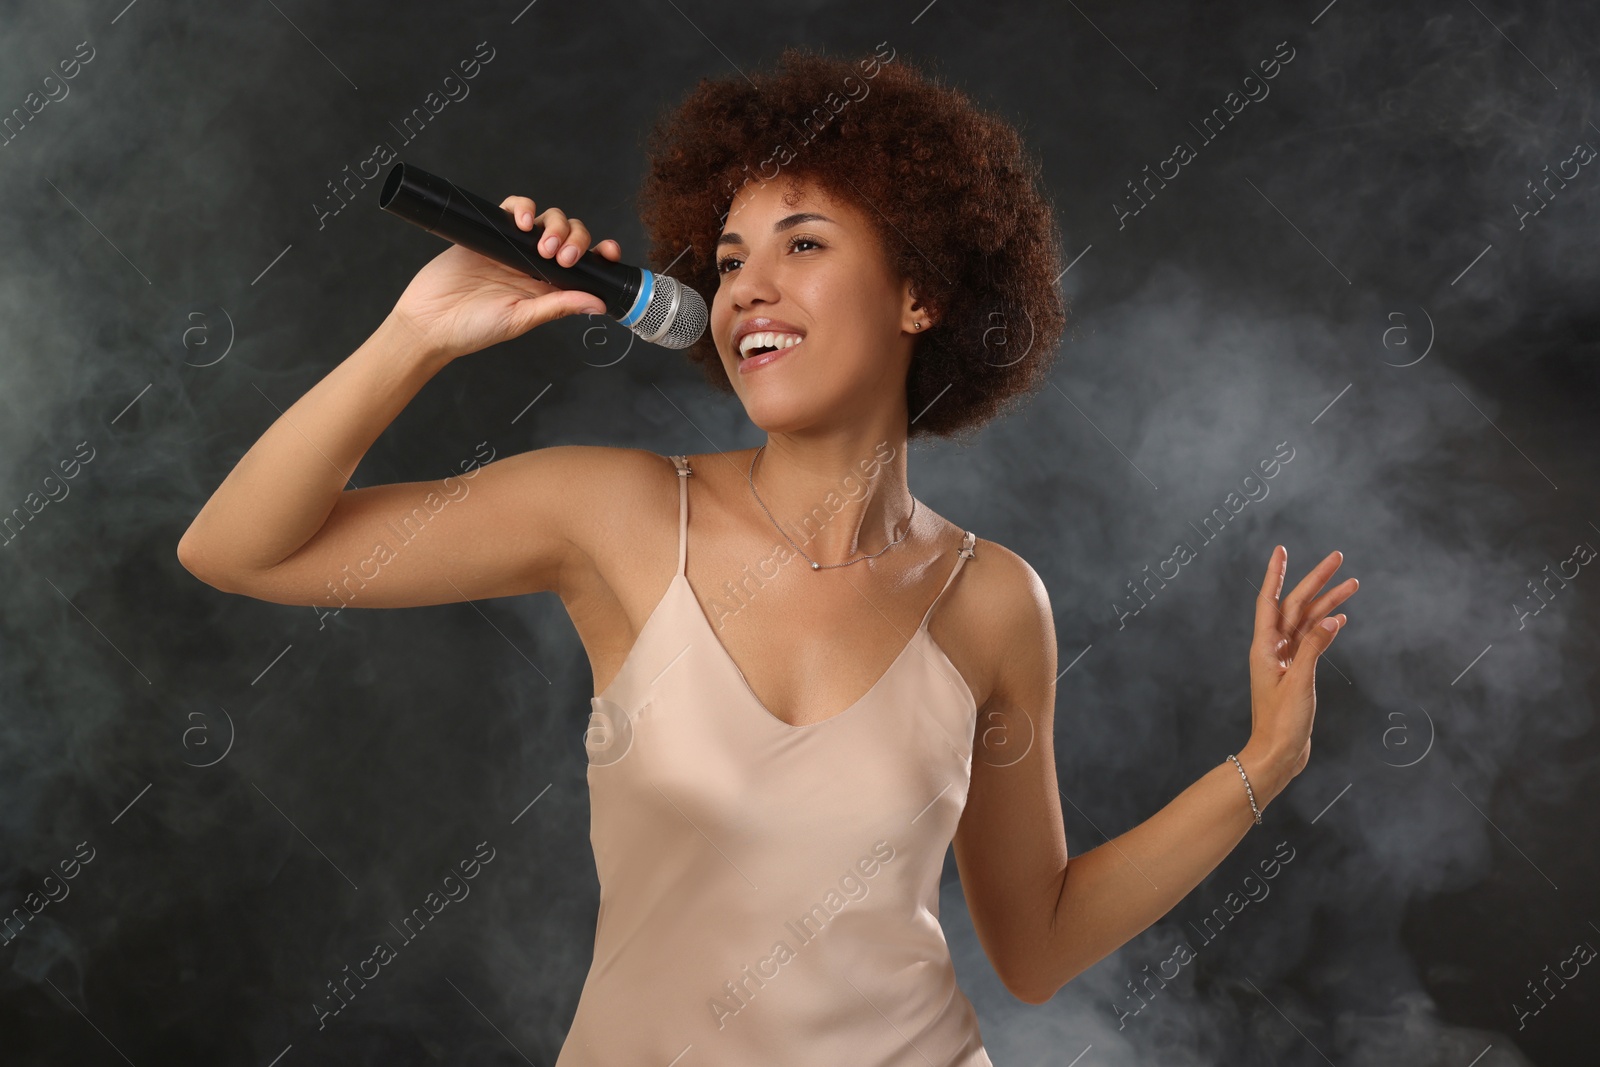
(815, 268)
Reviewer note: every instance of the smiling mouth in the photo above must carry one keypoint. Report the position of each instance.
(765, 342)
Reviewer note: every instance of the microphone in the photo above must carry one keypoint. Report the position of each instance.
(659, 309)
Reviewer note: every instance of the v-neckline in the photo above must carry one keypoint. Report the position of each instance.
(683, 579)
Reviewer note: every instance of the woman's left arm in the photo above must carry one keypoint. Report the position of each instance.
(1041, 919)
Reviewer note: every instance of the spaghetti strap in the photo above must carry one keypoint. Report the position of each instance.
(962, 556)
(684, 472)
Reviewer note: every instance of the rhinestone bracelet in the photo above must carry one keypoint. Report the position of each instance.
(1251, 793)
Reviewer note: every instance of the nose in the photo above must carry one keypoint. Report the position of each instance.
(752, 282)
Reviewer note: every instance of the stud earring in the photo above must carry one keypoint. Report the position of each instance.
(916, 325)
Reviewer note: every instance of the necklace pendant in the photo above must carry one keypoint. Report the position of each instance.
(815, 565)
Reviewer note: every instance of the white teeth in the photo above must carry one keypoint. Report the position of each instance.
(767, 340)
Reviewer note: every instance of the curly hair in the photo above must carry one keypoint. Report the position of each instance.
(950, 191)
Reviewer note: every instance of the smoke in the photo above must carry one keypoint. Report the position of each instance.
(1353, 268)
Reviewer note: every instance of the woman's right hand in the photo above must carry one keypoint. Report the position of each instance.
(462, 302)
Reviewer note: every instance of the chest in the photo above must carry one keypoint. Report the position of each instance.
(806, 655)
(681, 735)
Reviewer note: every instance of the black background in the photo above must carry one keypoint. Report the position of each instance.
(1283, 288)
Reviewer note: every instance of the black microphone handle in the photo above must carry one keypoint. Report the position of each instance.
(460, 217)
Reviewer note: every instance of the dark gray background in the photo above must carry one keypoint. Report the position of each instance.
(163, 213)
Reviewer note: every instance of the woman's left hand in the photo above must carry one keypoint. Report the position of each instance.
(1289, 639)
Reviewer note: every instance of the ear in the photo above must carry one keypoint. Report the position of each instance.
(914, 310)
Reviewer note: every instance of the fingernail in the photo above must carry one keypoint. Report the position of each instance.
(1330, 623)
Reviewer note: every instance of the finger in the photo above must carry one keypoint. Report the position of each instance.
(558, 303)
(1314, 644)
(1331, 599)
(522, 208)
(610, 249)
(556, 227)
(576, 244)
(1294, 604)
(1267, 633)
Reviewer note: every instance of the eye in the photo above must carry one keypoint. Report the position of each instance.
(798, 239)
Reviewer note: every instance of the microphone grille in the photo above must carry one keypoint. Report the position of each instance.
(675, 317)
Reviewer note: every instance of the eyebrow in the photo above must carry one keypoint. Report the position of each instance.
(785, 223)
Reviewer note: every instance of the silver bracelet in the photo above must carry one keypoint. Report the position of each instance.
(1251, 793)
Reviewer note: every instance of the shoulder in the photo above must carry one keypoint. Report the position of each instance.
(589, 495)
(605, 519)
(1007, 609)
(1009, 596)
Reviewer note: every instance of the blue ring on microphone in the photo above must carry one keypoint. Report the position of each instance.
(647, 286)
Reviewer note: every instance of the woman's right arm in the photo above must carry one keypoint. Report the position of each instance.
(282, 526)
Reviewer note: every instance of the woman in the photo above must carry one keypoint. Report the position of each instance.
(786, 734)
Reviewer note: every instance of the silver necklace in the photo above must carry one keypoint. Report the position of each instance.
(750, 476)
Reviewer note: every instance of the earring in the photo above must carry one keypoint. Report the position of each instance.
(916, 325)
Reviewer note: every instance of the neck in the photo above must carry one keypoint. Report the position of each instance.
(837, 498)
